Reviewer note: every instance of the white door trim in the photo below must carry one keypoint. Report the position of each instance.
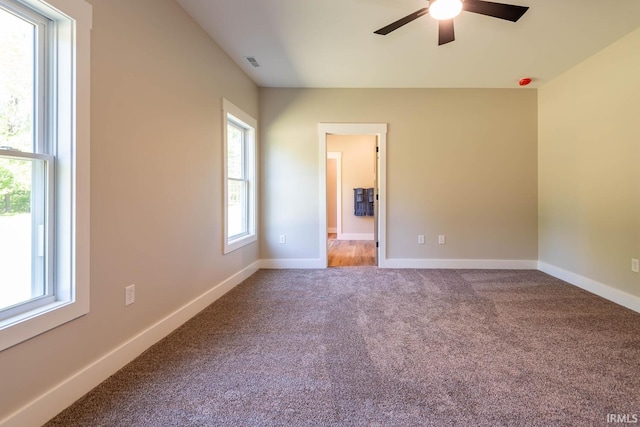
(380, 131)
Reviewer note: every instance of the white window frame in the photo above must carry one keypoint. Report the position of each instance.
(233, 114)
(66, 126)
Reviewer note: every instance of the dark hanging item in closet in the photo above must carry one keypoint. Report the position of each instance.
(363, 201)
(359, 202)
(370, 198)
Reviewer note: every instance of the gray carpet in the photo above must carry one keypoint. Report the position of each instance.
(371, 347)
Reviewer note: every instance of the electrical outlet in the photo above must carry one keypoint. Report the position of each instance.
(283, 239)
(441, 239)
(421, 239)
(129, 295)
(635, 265)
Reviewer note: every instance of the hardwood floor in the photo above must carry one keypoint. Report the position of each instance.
(350, 253)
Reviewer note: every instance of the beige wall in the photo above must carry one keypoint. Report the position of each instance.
(157, 84)
(358, 171)
(461, 162)
(589, 167)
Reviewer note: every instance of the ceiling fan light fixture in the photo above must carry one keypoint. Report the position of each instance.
(443, 10)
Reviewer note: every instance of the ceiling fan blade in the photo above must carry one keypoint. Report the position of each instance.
(508, 12)
(445, 32)
(402, 21)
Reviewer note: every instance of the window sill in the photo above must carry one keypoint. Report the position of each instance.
(37, 321)
(239, 243)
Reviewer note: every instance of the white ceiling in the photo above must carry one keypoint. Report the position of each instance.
(330, 43)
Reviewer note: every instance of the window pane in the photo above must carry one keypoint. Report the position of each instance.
(235, 140)
(237, 208)
(17, 77)
(22, 200)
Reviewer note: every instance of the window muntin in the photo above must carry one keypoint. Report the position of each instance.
(239, 178)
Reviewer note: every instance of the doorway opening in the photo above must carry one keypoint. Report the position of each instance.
(351, 185)
(352, 169)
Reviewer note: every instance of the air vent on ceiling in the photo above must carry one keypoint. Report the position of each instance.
(252, 61)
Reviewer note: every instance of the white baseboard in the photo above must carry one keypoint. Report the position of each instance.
(622, 298)
(332, 230)
(483, 264)
(52, 402)
(291, 263)
(355, 236)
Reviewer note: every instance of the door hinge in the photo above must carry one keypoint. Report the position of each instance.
(377, 149)
(377, 244)
(377, 197)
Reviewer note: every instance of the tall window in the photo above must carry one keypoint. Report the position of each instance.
(39, 163)
(240, 177)
(26, 163)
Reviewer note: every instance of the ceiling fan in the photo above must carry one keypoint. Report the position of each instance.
(445, 10)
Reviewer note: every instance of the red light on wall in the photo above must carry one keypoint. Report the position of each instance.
(524, 81)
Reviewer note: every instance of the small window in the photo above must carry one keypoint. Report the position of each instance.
(42, 282)
(239, 177)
